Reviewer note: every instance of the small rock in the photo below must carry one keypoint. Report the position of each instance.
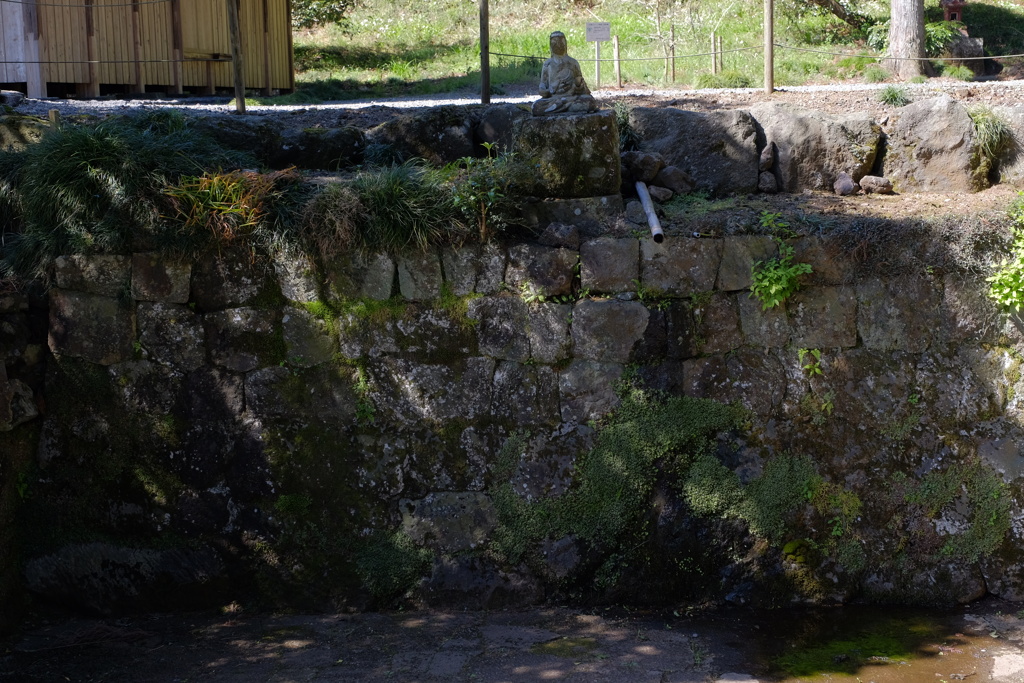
(635, 213)
(767, 183)
(872, 184)
(660, 194)
(642, 166)
(11, 98)
(845, 185)
(560, 235)
(675, 179)
(767, 157)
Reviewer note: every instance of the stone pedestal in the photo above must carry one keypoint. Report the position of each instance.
(576, 155)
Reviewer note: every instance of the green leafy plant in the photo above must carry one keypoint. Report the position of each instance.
(777, 278)
(958, 72)
(812, 366)
(876, 74)
(894, 96)
(1006, 284)
(485, 191)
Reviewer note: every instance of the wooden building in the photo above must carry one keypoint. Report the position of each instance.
(93, 47)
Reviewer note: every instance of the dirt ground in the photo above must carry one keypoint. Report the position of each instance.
(980, 642)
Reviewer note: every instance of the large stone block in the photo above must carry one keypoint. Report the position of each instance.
(410, 393)
(323, 393)
(607, 331)
(228, 279)
(213, 393)
(899, 315)
(541, 271)
(92, 327)
(297, 277)
(739, 254)
(473, 269)
(764, 328)
(814, 148)
(449, 522)
(718, 149)
(243, 339)
(717, 324)
(824, 317)
(438, 134)
(575, 155)
(502, 331)
(754, 379)
(609, 265)
(680, 267)
(932, 148)
(587, 390)
(146, 387)
(548, 332)
(307, 339)
(419, 276)
(172, 334)
(105, 274)
(525, 395)
(359, 276)
(154, 278)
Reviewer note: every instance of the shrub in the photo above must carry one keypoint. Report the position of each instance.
(876, 74)
(776, 279)
(959, 72)
(1006, 286)
(486, 191)
(894, 96)
(725, 79)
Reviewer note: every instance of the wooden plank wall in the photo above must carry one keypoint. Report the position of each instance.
(120, 26)
(12, 49)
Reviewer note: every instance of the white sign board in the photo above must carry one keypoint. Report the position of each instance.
(598, 31)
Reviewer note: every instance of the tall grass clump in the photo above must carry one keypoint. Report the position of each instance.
(407, 208)
(894, 96)
(958, 72)
(89, 189)
(876, 74)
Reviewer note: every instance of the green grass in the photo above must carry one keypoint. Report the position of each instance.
(406, 47)
(894, 96)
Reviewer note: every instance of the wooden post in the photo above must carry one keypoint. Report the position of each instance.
(236, 55)
(721, 53)
(267, 90)
(291, 50)
(92, 87)
(485, 54)
(54, 116)
(769, 46)
(35, 82)
(618, 62)
(177, 49)
(597, 65)
(140, 82)
(672, 49)
(714, 53)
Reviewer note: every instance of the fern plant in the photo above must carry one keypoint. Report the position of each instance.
(1006, 285)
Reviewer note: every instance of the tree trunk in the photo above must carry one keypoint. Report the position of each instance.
(906, 38)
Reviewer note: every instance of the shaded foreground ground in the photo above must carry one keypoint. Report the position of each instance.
(980, 642)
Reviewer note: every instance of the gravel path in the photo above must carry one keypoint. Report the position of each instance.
(836, 98)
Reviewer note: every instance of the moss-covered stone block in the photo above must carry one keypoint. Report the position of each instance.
(575, 155)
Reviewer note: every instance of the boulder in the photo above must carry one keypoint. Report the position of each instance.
(18, 132)
(767, 159)
(331, 149)
(932, 148)
(844, 185)
(104, 578)
(438, 134)
(497, 126)
(813, 148)
(675, 179)
(575, 155)
(449, 522)
(872, 184)
(660, 194)
(11, 98)
(541, 271)
(1011, 161)
(767, 182)
(718, 149)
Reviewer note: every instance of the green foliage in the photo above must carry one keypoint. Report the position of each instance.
(894, 96)
(958, 72)
(777, 278)
(407, 208)
(876, 74)
(992, 133)
(309, 13)
(487, 191)
(629, 140)
(786, 483)
(1006, 286)
(389, 564)
(813, 361)
(725, 79)
(938, 35)
(89, 189)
